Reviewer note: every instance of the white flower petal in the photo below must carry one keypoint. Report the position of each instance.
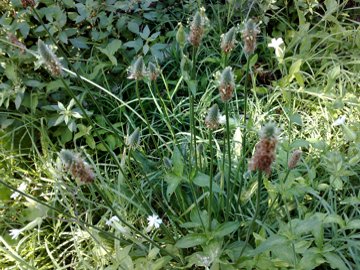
(15, 233)
(22, 188)
(339, 121)
(112, 220)
(154, 221)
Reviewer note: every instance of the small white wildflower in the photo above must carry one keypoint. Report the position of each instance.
(21, 188)
(154, 221)
(340, 121)
(15, 233)
(112, 220)
(277, 43)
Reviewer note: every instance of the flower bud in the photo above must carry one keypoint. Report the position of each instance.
(49, 59)
(180, 35)
(137, 69)
(153, 71)
(227, 84)
(197, 27)
(133, 140)
(228, 40)
(249, 35)
(212, 118)
(294, 159)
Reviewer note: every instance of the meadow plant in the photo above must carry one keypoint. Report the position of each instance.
(210, 204)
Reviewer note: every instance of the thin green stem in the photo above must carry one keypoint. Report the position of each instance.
(144, 114)
(257, 209)
(241, 168)
(211, 179)
(228, 180)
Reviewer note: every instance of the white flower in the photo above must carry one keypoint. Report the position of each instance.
(15, 233)
(21, 188)
(279, 50)
(112, 220)
(339, 121)
(154, 221)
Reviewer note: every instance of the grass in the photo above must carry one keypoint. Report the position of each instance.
(215, 212)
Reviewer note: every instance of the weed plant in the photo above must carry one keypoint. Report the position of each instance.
(192, 135)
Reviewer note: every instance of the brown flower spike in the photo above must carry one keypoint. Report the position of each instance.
(227, 84)
(264, 154)
(294, 159)
(249, 35)
(28, 3)
(197, 28)
(79, 169)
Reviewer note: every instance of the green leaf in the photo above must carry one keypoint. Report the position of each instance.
(295, 68)
(136, 44)
(133, 26)
(353, 224)
(296, 118)
(203, 180)
(79, 42)
(173, 182)
(226, 228)
(335, 261)
(146, 33)
(111, 141)
(191, 240)
(111, 49)
(271, 243)
(178, 162)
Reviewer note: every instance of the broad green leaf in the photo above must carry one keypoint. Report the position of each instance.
(133, 26)
(335, 261)
(353, 224)
(146, 33)
(203, 180)
(296, 118)
(271, 243)
(191, 240)
(295, 68)
(111, 141)
(173, 181)
(111, 49)
(79, 42)
(226, 228)
(178, 162)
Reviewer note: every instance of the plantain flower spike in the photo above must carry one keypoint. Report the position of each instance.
(227, 84)
(197, 27)
(78, 168)
(249, 35)
(153, 71)
(228, 40)
(212, 117)
(137, 69)
(49, 59)
(265, 149)
(181, 36)
(28, 3)
(294, 159)
(133, 140)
